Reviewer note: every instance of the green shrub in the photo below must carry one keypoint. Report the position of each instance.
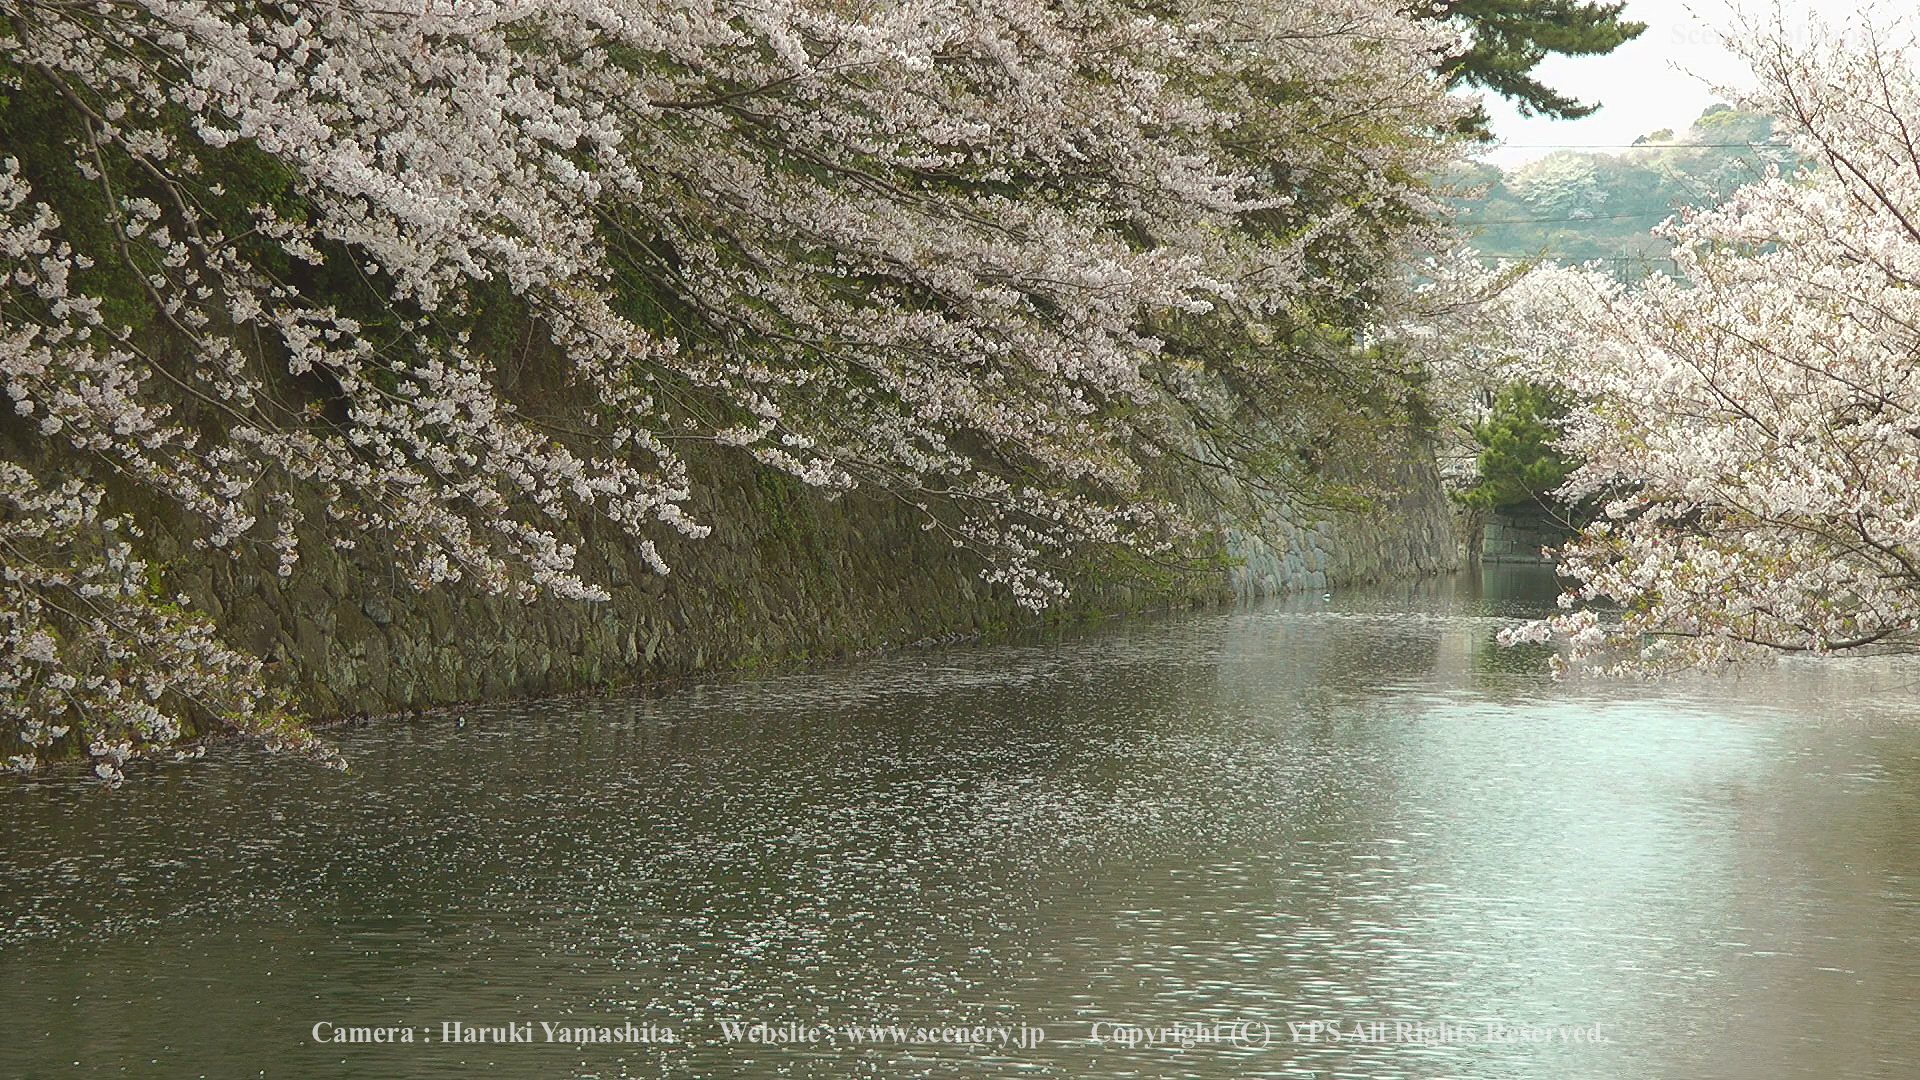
(1519, 465)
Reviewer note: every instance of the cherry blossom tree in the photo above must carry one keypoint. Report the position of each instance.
(442, 277)
(1754, 428)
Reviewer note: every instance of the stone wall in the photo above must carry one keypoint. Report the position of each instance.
(1520, 536)
(786, 576)
(1409, 529)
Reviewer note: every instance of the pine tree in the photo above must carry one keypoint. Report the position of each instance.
(1504, 40)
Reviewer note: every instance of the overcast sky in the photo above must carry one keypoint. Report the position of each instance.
(1662, 79)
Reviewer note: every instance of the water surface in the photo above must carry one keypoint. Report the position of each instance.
(1353, 816)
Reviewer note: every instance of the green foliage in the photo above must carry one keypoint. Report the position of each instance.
(1580, 207)
(42, 130)
(1519, 465)
(1506, 39)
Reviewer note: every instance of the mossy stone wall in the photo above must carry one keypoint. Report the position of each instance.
(786, 576)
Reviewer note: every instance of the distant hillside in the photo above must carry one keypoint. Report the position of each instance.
(1576, 206)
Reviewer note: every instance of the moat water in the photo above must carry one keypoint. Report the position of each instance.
(1340, 837)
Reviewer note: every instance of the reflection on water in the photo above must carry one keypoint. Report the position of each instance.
(1319, 813)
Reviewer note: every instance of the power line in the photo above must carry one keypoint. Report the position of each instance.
(1642, 146)
(1630, 258)
(1569, 220)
